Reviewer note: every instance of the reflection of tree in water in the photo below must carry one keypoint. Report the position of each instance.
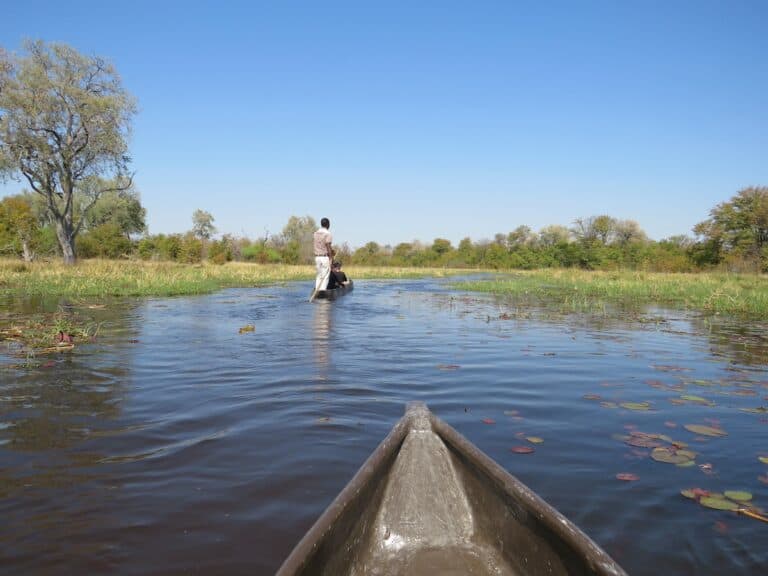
(739, 341)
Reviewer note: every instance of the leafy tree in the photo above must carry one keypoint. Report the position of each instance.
(520, 236)
(64, 125)
(297, 233)
(554, 235)
(19, 230)
(441, 246)
(123, 209)
(738, 226)
(104, 241)
(202, 225)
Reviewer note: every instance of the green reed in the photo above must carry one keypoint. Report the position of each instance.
(716, 293)
(104, 278)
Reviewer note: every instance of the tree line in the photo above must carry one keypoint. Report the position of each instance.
(65, 119)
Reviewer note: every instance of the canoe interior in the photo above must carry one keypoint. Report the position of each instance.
(335, 292)
(428, 502)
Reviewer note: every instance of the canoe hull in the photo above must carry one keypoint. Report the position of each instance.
(334, 293)
(428, 501)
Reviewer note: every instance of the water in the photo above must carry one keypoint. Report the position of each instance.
(176, 444)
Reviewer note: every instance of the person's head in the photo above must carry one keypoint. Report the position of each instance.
(337, 265)
(325, 223)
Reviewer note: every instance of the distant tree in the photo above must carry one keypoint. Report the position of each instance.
(123, 209)
(297, 233)
(626, 231)
(19, 230)
(520, 236)
(441, 246)
(64, 125)
(202, 225)
(594, 228)
(739, 226)
(553, 235)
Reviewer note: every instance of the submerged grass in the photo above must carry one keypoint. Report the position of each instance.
(104, 278)
(717, 293)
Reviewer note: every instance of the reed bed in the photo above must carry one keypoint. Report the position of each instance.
(105, 278)
(716, 293)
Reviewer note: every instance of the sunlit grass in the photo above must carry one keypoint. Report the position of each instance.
(717, 293)
(103, 278)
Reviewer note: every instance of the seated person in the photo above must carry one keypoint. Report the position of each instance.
(337, 277)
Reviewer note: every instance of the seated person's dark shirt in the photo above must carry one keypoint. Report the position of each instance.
(336, 279)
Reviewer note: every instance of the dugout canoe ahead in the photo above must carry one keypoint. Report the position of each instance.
(334, 293)
(429, 502)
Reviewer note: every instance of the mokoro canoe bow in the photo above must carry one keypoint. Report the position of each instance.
(334, 293)
(429, 502)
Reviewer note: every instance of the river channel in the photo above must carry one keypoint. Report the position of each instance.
(180, 442)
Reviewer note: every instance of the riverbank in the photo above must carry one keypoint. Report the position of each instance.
(108, 278)
(716, 293)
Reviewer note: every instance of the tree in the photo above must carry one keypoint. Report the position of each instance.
(740, 225)
(553, 235)
(202, 225)
(64, 126)
(123, 209)
(297, 234)
(19, 230)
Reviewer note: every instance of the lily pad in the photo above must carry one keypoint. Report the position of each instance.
(521, 449)
(719, 503)
(763, 459)
(627, 477)
(706, 430)
(759, 410)
(672, 456)
(696, 400)
(534, 439)
(640, 406)
(738, 495)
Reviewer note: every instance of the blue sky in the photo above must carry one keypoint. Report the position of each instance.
(417, 120)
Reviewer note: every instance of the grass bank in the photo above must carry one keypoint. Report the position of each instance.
(716, 293)
(104, 278)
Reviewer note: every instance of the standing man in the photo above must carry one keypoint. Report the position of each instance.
(323, 254)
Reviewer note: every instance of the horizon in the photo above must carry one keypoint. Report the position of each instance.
(407, 123)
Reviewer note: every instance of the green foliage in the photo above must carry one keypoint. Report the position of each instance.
(220, 251)
(19, 230)
(738, 227)
(123, 209)
(104, 241)
(296, 239)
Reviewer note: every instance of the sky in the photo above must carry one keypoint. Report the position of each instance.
(417, 120)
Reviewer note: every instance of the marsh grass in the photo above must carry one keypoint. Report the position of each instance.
(716, 293)
(105, 278)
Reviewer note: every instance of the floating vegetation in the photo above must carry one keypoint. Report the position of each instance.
(729, 501)
(47, 333)
(703, 430)
(247, 328)
(691, 399)
(522, 450)
(672, 455)
(638, 406)
(448, 366)
(627, 477)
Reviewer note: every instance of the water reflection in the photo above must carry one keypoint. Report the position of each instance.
(321, 336)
